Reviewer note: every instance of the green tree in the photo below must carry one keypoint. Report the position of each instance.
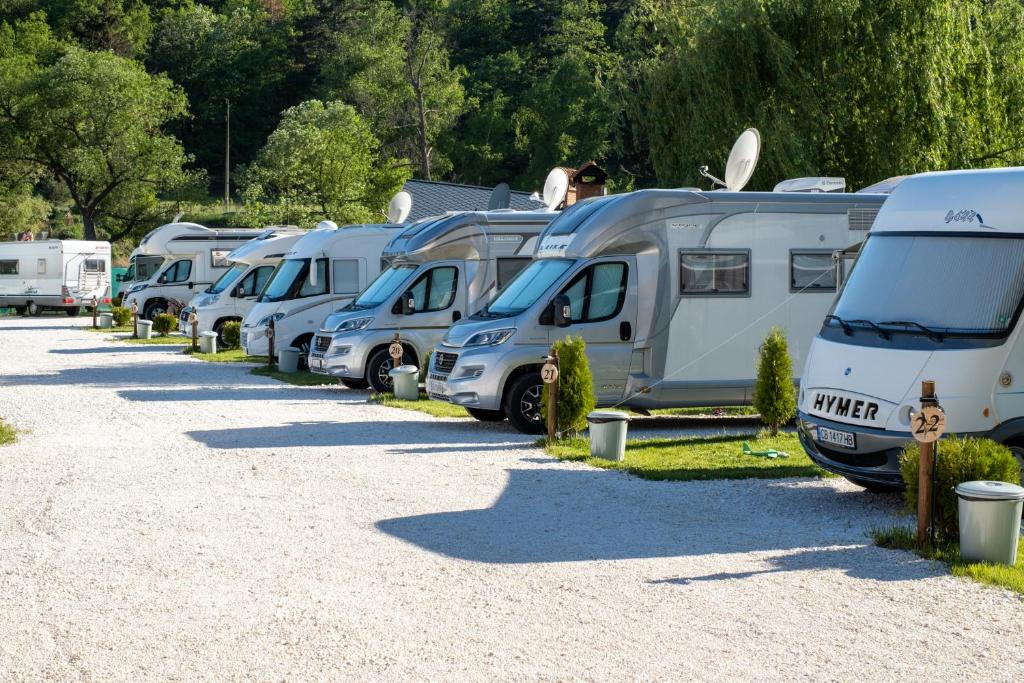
(120, 26)
(575, 386)
(322, 162)
(774, 393)
(92, 121)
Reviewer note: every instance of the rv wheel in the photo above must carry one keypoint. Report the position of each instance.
(20, 310)
(34, 309)
(357, 384)
(522, 404)
(486, 415)
(378, 368)
(153, 309)
(73, 311)
(303, 344)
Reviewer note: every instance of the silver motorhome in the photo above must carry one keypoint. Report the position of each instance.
(672, 290)
(440, 270)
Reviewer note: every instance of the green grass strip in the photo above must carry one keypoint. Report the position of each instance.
(7, 434)
(302, 378)
(424, 405)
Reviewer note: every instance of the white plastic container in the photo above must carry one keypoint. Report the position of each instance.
(145, 329)
(405, 380)
(287, 359)
(106, 320)
(989, 513)
(608, 434)
(208, 342)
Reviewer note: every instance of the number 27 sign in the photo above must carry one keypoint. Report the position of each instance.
(928, 424)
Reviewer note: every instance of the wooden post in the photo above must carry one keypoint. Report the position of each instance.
(270, 343)
(193, 319)
(135, 320)
(396, 351)
(925, 471)
(95, 304)
(551, 379)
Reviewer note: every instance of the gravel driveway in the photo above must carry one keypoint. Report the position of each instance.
(165, 518)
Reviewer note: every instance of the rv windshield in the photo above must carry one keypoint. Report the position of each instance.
(526, 288)
(953, 285)
(291, 280)
(228, 278)
(381, 289)
(142, 268)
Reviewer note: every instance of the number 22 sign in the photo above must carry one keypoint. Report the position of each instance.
(928, 424)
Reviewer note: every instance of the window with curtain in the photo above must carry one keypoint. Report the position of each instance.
(812, 271)
(597, 292)
(707, 272)
(345, 276)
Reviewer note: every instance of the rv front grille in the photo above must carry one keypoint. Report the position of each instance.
(322, 344)
(444, 362)
(245, 338)
(861, 219)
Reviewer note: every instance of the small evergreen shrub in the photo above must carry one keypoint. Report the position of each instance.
(959, 460)
(231, 331)
(164, 323)
(575, 386)
(774, 393)
(425, 367)
(122, 316)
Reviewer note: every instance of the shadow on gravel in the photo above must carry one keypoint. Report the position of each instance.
(33, 328)
(552, 515)
(132, 348)
(222, 393)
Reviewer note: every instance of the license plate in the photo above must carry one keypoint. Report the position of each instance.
(837, 437)
(316, 364)
(436, 386)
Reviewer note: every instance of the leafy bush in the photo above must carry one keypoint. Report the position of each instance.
(959, 460)
(425, 367)
(575, 386)
(164, 323)
(231, 331)
(774, 394)
(122, 316)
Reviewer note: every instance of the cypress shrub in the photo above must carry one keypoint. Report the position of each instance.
(231, 331)
(774, 394)
(575, 386)
(164, 323)
(959, 460)
(122, 316)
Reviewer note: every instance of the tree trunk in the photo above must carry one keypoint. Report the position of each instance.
(424, 145)
(89, 225)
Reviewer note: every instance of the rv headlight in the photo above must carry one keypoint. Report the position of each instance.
(354, 325)
(266, 320)
(208, 300)
(490, 337)
(138, 288)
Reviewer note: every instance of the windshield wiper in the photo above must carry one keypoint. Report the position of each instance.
(930, 333)
(847, 330)
(881, 333)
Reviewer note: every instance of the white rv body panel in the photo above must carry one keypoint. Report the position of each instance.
(65, 274)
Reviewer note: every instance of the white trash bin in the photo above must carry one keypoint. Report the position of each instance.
(288, 359)
(405, 381)
(106, 320)
(145, 329)
(208, 342)
(989, 513)
(608, 434)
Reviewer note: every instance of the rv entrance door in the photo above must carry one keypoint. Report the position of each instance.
(602, 310)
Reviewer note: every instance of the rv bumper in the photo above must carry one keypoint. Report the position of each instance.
(254, 341)
(874, 459)
(475, 377)
(341, 355)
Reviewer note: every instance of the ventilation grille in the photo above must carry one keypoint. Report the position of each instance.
(322, 344)
(444, 362)
(861, 219)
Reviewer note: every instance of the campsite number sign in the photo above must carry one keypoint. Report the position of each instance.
(395, 351)
(928, 424)
(549, 373)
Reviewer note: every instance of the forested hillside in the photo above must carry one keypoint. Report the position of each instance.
(113, 113)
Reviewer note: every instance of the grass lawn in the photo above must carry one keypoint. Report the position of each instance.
(424, 405)
(302, 378)
(904, 538)
(179, 340)
(725, 411)
(698, 458)
(7, 434)
(226, 356)
(124, 328)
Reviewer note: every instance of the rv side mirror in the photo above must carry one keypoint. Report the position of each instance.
(162, 279)
(239, 292)
(408, 303)
(563, 311)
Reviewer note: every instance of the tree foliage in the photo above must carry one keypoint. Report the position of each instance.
(575, 386)
(774, 392)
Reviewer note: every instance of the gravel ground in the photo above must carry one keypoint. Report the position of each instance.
(236, 527)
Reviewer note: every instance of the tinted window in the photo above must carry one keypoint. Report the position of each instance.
(383, 286)
(345, 276)
(8, 267)
(95, 265)
(812, 271)
(228, 278)
(253, 283)
(710, 273)
(435, 289)
(529, 285)
(321, 286)
(179, 271)
(508, 268)
(597, 293)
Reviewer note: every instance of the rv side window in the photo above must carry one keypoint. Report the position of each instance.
(41, 266)
(321, 286)
(178, 272)
(435, 289)
(253, 283)
(705, 272)
(219, 258)
(345, 276)
(508, 268)
(812, 271)
(93, 265)
(8, 267)
(597, 293)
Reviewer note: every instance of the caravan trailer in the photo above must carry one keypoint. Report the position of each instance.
(234, 294)
(672, 290)
(936, 293)
(56, 274)
(192, 258)
(441, 269)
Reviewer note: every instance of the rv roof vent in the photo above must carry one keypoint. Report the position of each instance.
(884, 186)
(399, 207)
(741, 163)
(860, 219)
(811, 185)
(326, 225)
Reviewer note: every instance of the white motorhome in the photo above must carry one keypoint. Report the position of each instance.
(322, 272)
(936, 293)
(441, 270)
(141, 267)
(56, 274)
(672, 290)
(192, 258)
(234, 294)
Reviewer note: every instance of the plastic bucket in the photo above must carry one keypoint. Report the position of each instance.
(608, 434)
(405, 380)
(106, 320)
(208, 342)
(145, 329)
(287, 359)
(989, 513)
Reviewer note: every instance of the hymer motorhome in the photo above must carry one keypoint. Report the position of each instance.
(936, 293)
(234, 294)
(57, 274)
(672, 290)
(441, 270)
(322, 272)
(193, 257)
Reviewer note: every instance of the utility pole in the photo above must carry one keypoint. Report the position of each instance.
(227, 156)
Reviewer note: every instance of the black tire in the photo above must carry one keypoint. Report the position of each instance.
(303, 344)
(219, 329)
(153, 309)
(357, 384)
(874, 486)
(522, 404)
(34, 309)
(377, 370)
(20, 310)
(486, 415)
(73, 311)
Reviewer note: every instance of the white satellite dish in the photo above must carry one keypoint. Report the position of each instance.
(326, 225)
(741, 163)
(555, 187)
(399, 207)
